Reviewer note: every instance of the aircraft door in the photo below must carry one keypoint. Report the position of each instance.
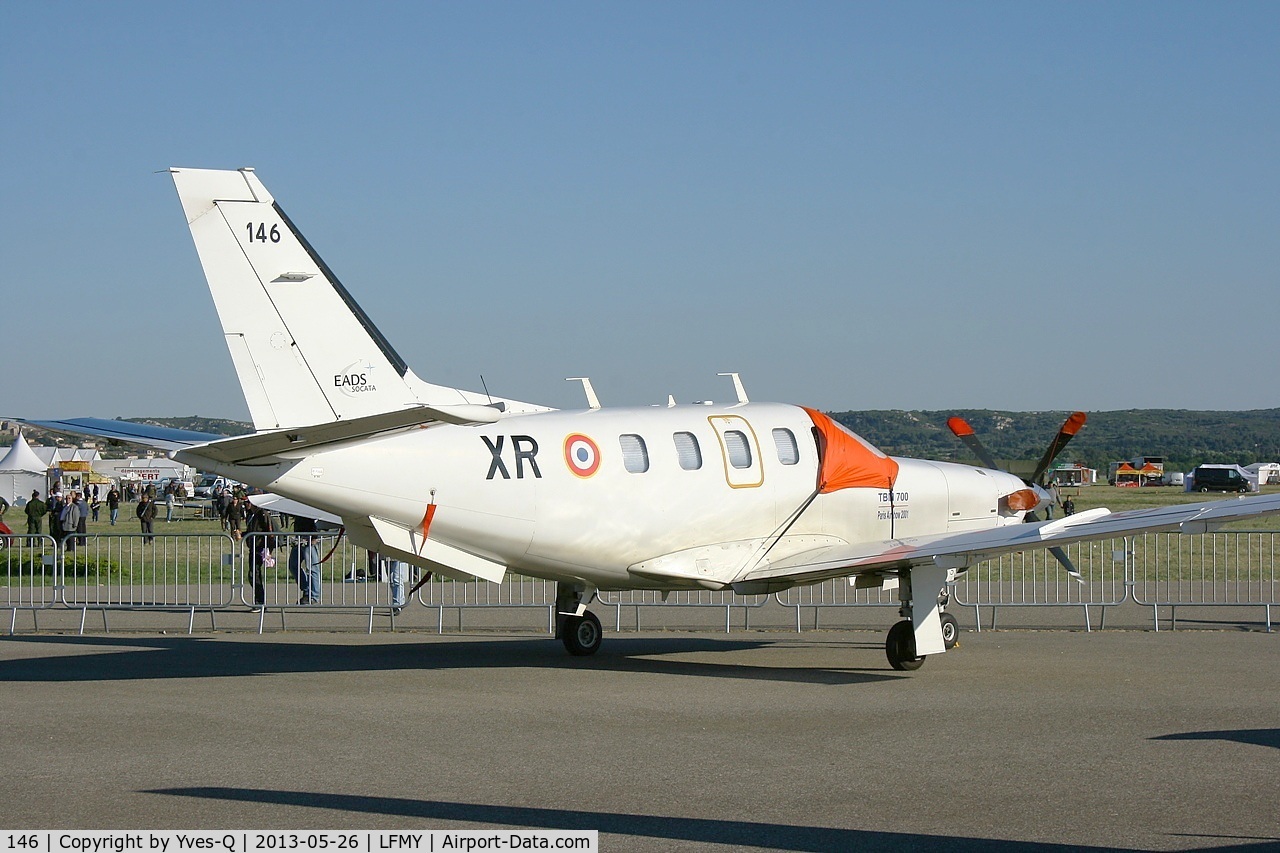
(743, 468)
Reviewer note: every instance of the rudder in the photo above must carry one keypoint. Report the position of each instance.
(304, 351)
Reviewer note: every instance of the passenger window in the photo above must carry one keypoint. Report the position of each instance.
(635, 456)
(788, 451)
(739, 450)
(688, 450)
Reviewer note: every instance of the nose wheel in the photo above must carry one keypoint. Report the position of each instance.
(582, 634)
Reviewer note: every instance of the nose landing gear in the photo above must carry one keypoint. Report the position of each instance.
(582, 634)
(576, 626)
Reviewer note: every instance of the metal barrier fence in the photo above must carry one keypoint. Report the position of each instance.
(133, 571)
(1036, 579)
(837, 593)
(1224, 569)
(214, 573)
(516, 591)
(313, 572)
(641, 599)
(30, 574)
(1170, 570)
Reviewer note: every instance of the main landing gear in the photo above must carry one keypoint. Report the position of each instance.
(577, 627)
(900, 645)
(950, 631)
(582, 634)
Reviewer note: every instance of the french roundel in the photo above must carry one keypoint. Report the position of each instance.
(581, 455)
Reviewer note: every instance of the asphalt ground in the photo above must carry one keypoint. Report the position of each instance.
(1017, 741)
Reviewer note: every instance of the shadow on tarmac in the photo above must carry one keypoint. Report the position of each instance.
(1253, 737)
(142, 658)
(738, 833)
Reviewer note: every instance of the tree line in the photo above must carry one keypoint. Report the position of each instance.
(1185, 438)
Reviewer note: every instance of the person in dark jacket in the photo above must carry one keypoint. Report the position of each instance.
(260, 548)
(304, 559)
(113, 505)
(55, 516)
(146, 513)
(36, 509)
(235, 516)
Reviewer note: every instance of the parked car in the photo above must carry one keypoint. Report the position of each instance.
(1220, 478)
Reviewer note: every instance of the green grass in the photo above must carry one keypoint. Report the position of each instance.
(194, 557)
(1118, 500)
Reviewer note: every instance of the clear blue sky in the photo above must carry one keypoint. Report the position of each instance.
(856, 205)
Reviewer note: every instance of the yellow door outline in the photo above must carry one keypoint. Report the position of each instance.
(739, 478)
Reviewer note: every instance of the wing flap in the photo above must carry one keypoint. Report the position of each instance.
(718, 565)
(398, 540)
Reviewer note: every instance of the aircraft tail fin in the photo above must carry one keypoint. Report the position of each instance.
(304, 351)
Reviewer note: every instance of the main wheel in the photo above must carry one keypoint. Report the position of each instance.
(582, 634)
(950, 631)
(900, 647)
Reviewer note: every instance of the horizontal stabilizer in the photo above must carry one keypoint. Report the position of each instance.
(161, 438)
(264, 446)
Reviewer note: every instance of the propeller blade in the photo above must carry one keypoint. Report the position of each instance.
(1062, 558)
(960, 427)
(1069, 429)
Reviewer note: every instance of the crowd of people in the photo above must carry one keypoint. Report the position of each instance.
(69, 513)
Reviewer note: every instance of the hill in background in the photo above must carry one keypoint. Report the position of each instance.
(1184, 438)
(35, 435)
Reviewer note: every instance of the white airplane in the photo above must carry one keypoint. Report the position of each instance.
(749, 497)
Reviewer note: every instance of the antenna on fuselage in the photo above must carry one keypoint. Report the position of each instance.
(737, 386)
(592, 400)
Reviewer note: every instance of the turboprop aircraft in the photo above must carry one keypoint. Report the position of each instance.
(749, 497)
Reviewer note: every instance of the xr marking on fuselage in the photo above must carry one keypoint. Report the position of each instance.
(524, 448)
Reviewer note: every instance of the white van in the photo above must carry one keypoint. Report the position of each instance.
(209, 484)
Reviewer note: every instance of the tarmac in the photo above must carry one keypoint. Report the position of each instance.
(1019, 740)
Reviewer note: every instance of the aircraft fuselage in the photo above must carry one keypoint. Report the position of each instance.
(587, 495)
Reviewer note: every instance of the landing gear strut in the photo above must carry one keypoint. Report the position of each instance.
(576, 626)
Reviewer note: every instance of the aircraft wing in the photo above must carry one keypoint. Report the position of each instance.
(958, 550)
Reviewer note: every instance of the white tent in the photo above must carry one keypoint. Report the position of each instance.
(21, 473)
